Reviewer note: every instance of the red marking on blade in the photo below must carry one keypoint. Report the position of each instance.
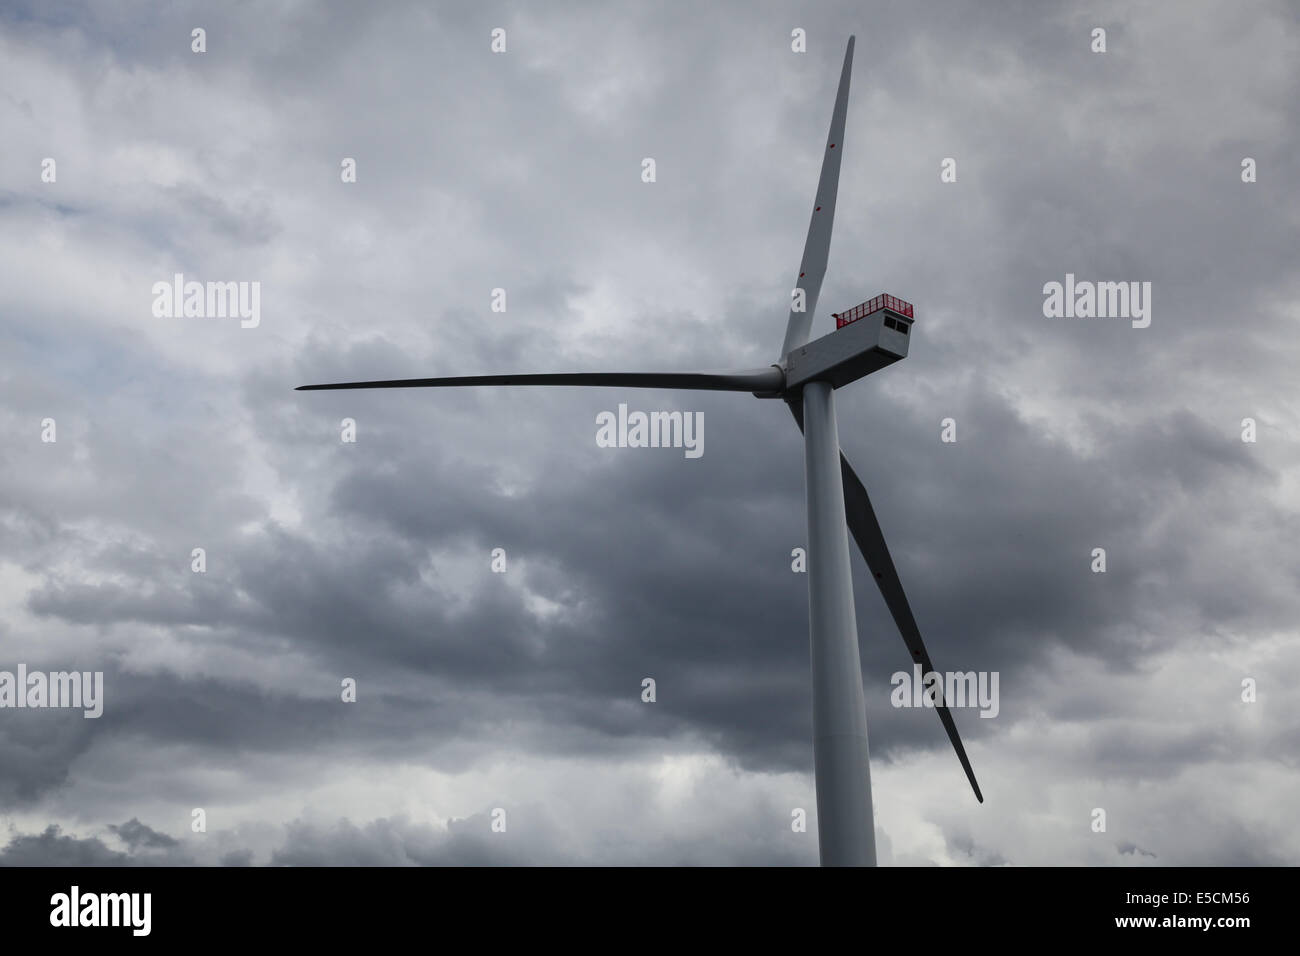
(832, 145)
(818, 209)
(802, 274)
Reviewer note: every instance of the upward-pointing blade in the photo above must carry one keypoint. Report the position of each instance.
(817, 247)
(770, 379)
(871, 542)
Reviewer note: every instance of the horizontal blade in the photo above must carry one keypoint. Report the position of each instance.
(871, 542)
(750, 380)
(817, 246)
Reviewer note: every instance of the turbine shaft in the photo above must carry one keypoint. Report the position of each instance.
(846, 832)
(870, 539)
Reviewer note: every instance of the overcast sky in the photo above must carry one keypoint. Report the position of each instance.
(522, 170)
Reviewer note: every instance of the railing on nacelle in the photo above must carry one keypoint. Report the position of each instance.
(881, 301)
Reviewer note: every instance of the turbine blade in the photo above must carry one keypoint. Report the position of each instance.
(748, 380)
(817, 247)
(871, 542)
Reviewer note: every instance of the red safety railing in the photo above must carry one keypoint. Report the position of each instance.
(881, 301)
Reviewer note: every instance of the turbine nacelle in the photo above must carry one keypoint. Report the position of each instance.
(849, 353)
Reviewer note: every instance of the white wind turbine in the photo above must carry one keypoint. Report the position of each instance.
(866, 339)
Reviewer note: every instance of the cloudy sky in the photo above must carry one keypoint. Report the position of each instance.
(522, 170)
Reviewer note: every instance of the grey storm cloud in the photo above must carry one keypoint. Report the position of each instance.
(136, 834)
(372, 561)
(52, 848)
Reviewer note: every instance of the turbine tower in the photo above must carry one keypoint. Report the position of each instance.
(866, 338)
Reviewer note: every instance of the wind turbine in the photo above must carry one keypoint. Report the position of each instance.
(867, 338)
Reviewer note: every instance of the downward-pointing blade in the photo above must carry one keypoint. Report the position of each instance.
(817, 247)
(871, 542)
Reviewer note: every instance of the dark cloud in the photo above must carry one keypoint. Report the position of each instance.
(371, 560)
(1133, 849)
(136, 834)
(52, 848)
